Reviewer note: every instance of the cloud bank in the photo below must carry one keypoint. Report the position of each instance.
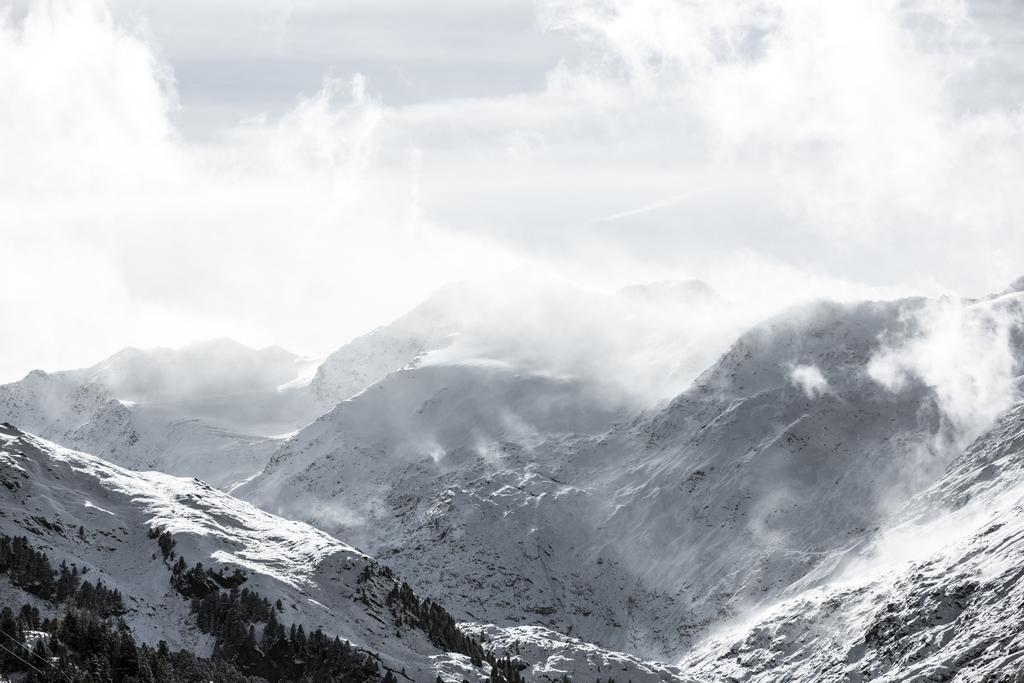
(780, 149)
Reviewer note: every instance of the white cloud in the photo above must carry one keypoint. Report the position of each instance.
(779, 149)
(117, 231)
(855, 125)
(967, 353)
(808, 378)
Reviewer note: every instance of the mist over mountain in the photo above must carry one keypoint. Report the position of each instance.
(570, 523)
(210, 409)
(531, 341)
(644, 343)
(642, 530)
(211, 369)
(217, 409)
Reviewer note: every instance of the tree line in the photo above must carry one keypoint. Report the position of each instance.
(440, 627)
(250, 643)
(273, 652)
(31, 570)
(90, 643)
(82, 647)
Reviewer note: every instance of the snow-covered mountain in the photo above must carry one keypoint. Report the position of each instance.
(210, 409)
(209, 369)
(935, 595)
(645, 342)
(216, 409)
(49, 493)
(228, 385)
(103, 520)
(641, 534)
(596, 530)
(455, 469)
(88, 417)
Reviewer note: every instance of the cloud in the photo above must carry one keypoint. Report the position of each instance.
(85, 108)
(808, 378)
(118, 231)
(857, 127)
(968, 353)
(777, 149)
(637, 346)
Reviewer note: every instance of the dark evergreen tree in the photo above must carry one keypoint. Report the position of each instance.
(280, 653)
(443, 631)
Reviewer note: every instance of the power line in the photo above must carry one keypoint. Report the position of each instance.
(32, 652)
(12, 652)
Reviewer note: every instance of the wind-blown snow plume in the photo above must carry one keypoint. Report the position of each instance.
(810, 379)
(968, 353)
(642, 344)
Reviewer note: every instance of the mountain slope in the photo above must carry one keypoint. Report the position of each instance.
(935, 595)
(444, 459)
(209, 410)
(50, 492)
(88, 417)
(105, 520)
(757, 474)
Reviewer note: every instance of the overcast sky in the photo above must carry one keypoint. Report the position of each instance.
(298, 172)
